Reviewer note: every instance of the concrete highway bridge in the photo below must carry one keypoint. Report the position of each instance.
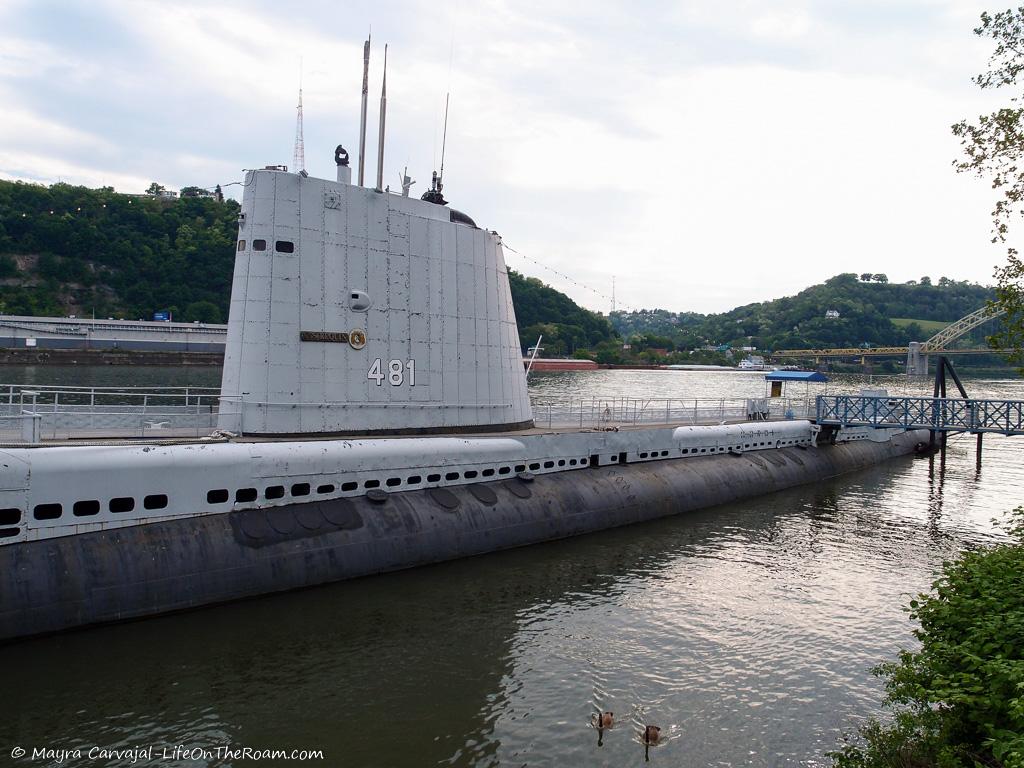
(916, 353)
(21, 332)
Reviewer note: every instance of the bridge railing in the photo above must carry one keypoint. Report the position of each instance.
(938, 413)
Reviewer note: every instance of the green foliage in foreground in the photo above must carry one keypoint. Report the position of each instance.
(959, 700)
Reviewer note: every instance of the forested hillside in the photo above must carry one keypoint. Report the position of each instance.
(566, 326)
(845, 311)
(72, 250)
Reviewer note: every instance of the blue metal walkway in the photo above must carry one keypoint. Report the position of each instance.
(941, 414)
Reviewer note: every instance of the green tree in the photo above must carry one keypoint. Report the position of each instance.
(203, 311)
(8, 267)
(1010, 297)
(993, 148)
(155, 189)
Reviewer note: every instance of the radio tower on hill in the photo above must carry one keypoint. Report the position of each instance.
(299, 156)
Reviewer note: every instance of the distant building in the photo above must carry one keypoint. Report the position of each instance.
(832, 314)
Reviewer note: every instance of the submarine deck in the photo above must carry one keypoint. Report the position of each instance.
(188, 437)
(43, 416)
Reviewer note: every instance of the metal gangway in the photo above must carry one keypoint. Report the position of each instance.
(938, 414)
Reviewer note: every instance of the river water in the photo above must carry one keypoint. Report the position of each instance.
(746, 632)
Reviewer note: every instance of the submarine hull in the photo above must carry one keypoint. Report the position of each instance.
(66, 582)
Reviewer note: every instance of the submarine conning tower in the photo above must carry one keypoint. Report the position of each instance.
(356, 311)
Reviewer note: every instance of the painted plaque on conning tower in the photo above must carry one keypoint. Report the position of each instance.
(328, 336)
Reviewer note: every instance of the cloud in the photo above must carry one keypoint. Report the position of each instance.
(47, 169)
(706, 154)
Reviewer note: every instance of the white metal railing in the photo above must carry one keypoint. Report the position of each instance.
(29, 413)
(54, 397)
(24, 428)
(627, 411)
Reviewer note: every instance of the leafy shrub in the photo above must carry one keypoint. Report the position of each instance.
(959, 700)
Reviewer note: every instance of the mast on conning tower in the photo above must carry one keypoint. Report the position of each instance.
(383, 110)
(362, 114)
(299, 155)
(433, 195)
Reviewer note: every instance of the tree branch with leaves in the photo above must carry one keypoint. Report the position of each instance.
(994, 149)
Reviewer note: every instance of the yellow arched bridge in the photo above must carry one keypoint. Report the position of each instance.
(917, 352)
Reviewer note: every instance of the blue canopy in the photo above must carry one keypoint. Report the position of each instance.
(795, 376)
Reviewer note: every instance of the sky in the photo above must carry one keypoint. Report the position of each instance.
(704, 155)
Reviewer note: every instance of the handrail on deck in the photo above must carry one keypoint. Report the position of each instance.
(941, 414)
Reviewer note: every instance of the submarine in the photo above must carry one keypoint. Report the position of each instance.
(373, 416)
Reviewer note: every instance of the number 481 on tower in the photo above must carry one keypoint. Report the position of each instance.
(398, 372)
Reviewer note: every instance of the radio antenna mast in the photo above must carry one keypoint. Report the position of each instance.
(383, 110)
(433, 195)
(444, 141)
(299, 156)
(362, 113)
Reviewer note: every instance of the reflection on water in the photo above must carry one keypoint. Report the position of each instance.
(745, 632)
